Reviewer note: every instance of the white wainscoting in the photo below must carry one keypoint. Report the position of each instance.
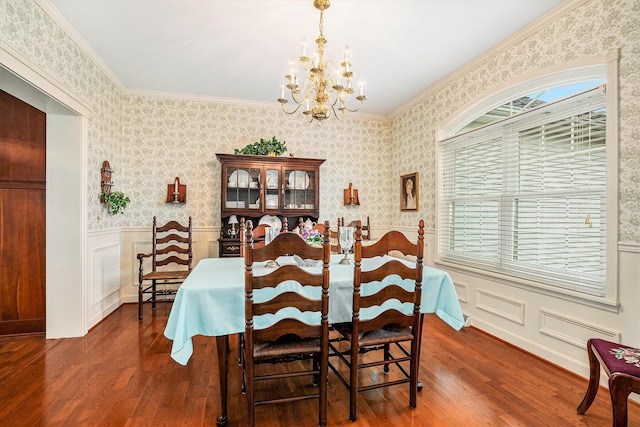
(553, 327)
(104, 261)
(138, 240)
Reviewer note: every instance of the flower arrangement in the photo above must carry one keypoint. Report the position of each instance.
(312, 237)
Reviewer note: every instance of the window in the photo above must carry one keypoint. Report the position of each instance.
(526, 195)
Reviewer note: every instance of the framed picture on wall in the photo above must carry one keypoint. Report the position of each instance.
(409, 192)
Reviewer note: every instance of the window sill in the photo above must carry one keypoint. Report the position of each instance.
(602, 303)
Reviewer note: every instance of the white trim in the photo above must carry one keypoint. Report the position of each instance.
(66, 212)
(612, 289)
(27, 73)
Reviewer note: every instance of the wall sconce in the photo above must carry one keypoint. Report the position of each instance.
(176, 192)
(351, 196)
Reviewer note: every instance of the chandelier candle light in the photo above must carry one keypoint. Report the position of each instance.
(323, 89)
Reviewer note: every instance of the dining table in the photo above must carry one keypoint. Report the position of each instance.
(211, 300)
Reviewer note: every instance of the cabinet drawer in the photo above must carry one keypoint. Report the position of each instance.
(230, 249)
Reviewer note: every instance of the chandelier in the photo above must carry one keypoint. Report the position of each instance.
(327, 88)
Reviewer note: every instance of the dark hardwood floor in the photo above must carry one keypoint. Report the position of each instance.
(121, 374)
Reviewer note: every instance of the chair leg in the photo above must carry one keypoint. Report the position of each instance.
(387, 357)
(316, 367)
(413, 371)
(619, 388)
(153, 295)
(594, 381)
(140, 296)
(248, 366)
(324, 383)
(353, 384)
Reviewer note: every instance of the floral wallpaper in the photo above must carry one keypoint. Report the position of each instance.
(150, 140)
(168, 138)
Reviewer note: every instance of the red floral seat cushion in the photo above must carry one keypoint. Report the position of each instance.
(617, 357)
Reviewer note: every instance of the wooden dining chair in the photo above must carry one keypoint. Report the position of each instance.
(366, 227)
(171, 262)
(257, 235)
(370, 332)
(622, 365)
(290, 338)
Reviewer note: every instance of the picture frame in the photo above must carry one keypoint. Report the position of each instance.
(409, 192)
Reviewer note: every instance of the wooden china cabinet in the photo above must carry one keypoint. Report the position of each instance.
(267, 188)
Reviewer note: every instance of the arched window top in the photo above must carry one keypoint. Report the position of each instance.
(527, 102)
(544, 85)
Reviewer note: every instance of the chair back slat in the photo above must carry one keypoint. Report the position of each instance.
(287, 327)
(172, 248)
(287, 244)
(173, 238)
(391, 317)
(387, 293)
(175, 225)
(172, 260)
(284, 300)
(286, 272)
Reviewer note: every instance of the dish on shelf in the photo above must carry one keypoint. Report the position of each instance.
(273, 221)
(272, 178)
(271, 201)
(239, 178)
(307, 206)
(239, 204)
(299, 180)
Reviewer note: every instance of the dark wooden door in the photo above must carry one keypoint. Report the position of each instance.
(22, 217)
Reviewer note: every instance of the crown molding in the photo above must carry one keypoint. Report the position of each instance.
(228, 101)
(526, 32)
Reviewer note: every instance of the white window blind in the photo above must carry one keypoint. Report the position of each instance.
(526, 196)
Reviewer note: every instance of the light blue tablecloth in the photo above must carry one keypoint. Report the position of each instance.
(211, 300)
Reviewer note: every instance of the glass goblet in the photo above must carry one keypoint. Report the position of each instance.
(270, 234)
(346, 241)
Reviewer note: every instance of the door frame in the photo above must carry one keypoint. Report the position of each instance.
(66, 187)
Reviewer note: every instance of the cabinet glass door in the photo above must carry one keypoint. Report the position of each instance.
(299, 189)
(272, 189)
(243, 188)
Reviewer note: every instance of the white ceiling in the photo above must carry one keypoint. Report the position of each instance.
(240, 50)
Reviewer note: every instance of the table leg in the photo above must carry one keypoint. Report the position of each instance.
(223, 369)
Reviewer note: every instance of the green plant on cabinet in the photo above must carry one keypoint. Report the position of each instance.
(264, 147)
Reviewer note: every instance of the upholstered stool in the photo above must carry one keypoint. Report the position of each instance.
(622, 365)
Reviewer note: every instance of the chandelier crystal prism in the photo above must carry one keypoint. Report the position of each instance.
(328, 87)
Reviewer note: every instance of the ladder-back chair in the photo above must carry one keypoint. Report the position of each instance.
(290, 337)
(372, 329)
(171, 259)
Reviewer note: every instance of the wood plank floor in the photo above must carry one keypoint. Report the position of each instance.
(121, 374)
